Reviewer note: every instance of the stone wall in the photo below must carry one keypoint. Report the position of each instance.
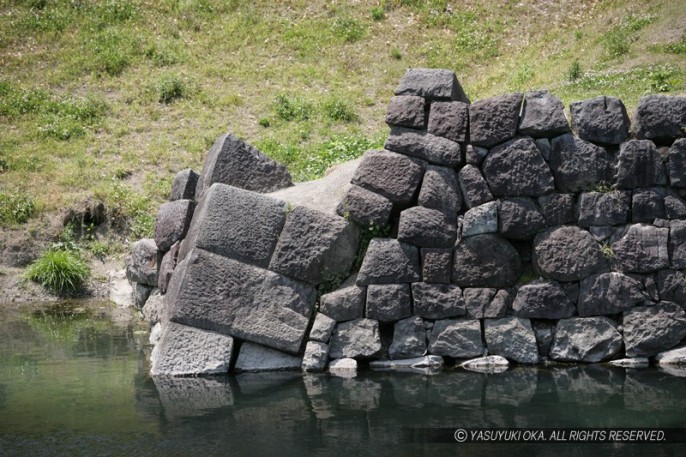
(513, 235)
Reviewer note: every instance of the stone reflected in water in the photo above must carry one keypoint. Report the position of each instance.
(188, 397)
(588, 385)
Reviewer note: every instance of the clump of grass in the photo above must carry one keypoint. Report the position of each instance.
(608, 252)
(163, 54)
(618, 40)
(171, 88)
(15, 208)
(663, 78)
(377, 13)
(574, 72)
(292, 108)
(348, 29)
(396, 54)
(337, 109)
(68, 118)
(62, 271)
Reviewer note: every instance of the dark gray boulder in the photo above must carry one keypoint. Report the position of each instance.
(436, 265)
(234, 162)
(188, 351)
(543, 300)
(431, 83)
(485, 261)
(640, 165)
(608, 293)
(477, 299)
(543, 145)
(355, 339)
(141, 292)
(677, 244)
(142, 265)
(642, 249)
(474, 188)
(557, 209)
(480, 219)
(567, 253)
(671, 286)
(409, 339)
(440, 190)
(500, 304)
(647, 205)
(219, 294)
(600, 120)
(388, 302)
(322, 327)
(677, 163)
(315, 247)
(544, 331)
(422, 145)
(517, 168)
(585, 339)
(457, 338)
(406, 111)
(519, 218)
(389, 261)
(649, 330)
(675, 206)
(365, 207)
(660, 118)
(167, 265)
(173, 219)
(236, 223)
(426, 227)
(542, 115)
(578, 165)
(494, 120)
(316, 357)
(183, 187)
(344, 304)
(256, 358)
(395, 176)
(604, 208)
(449, 120)
(474, 155)
(437, 301)
(512, 338)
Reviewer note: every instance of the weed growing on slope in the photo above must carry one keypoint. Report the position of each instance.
(62, 271)
(618, 40)
(170, 88)
(338, 109)
(292, 108)
(15, 208)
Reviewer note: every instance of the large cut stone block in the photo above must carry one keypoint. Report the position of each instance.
(437, 265)
(365, 207)
(437, 301)
(517, 168)
(568, 254)
(585, 339)
(440, 190)
(458, 338)
(142, 266)
(424, 227)
(314, 246)
(254, 357)
(395, 176)
(600, 120)
(431, 83)
(172, 223)
(474, 187)
(344, 304)
(677, 244)
(543, 300)
(608, 293)
(660, 118)
(220, 294)
(236, 223)
(519, 218)
(649, 330)
(425, 146)
(406, 111)
(642, 249)
(183, 187)
(604, 208)
(512, 338)
(449, 120)
(640, 165)
(542, 115)
(388, 302)
(358, 338)
(188, 351)
(671, 285)
(389, 261)
(485, 261)
(578, 165)
(409, 339)
(677, 163)
(494, 120)
(316, 356)
(647, 205)
(558, 209)
(234, 162)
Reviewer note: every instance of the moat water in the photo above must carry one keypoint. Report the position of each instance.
(74, 382)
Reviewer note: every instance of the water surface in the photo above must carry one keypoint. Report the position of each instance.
(74, 381)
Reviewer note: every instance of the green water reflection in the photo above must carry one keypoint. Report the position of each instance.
(74, 381)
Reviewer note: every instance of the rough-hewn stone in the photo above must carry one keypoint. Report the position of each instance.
(600, 120)
(358, 338)
(543, 300)
(677, 244)
(322, 328)
(216, 293)
(512, 338)
(431, 83)
(671, 285)
(173, 219)
(675, 206)
(437, 301)
(234, 162)
(316, 356)
(642, 249)
(494, 120)
(585, 339)
(394, 176)
(567, 253)
(640, 165)
(344, 304)
(424, 227)
(440, 190)
(365, 207)
(436, 265)
(649, 330)
(188, 351)
(647, 205)
(449, 120)
(458, 338)
(409, 339)
(254, 357)
(142, 266)
(183, 187)
(406, 111)
(608, 293)
(557, 209)
(660, 118)
(474, 188)
(604, 208)
(477, 299)
(542, 115)
(480, 219)
(422, 145)
(517, 168)
(485, 261)
(578, 165)
(677, 163)
(388, 302)
(519, 218)
(236, 223)
(389, 261)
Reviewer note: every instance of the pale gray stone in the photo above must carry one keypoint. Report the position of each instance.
(322, 328)
(458, 338)
(437, 301)
(142, 265)
(642, 249)
(585, 339)
(649, 330)
(608, 293)
(388, 302)
(488, 364)
(316, 356)
(677, 244)
(254, 357)
(676, 356)
(512, 338)
(409, 339)
(480, 219)
(358, 338)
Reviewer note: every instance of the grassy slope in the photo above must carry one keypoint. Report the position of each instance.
(110, 98)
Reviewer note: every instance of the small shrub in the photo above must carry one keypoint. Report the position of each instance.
(349, 29)
(170, 88)
(163, 54)
(59, 270)
(662, 78)
(337, 109)
(15, 208)
(618, 40)
(395, 53)
(377, 13)
(264, 122)
(574, 72)
(291, 109)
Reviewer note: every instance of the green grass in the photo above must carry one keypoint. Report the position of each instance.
(15, 208)
(62, 271)
(110, 98)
